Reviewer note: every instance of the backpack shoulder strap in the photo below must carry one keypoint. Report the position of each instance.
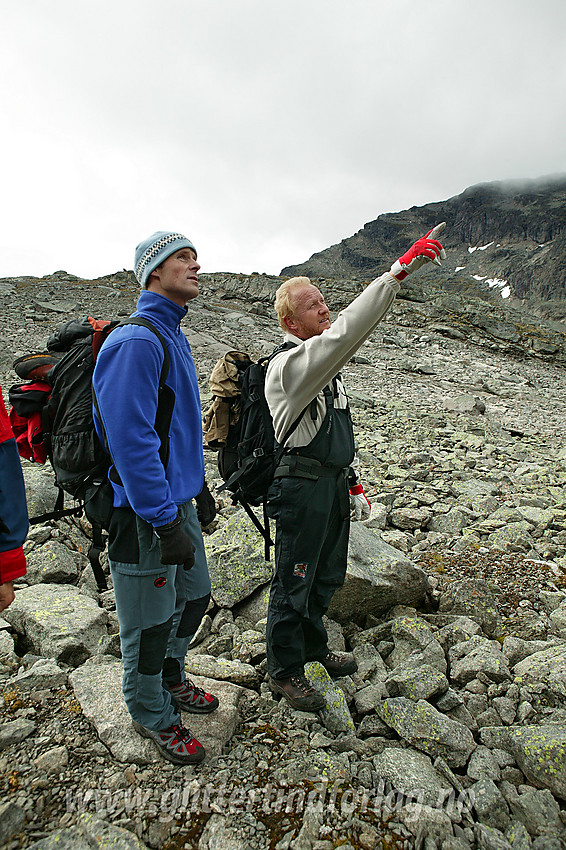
(166, 396)
(145, 323)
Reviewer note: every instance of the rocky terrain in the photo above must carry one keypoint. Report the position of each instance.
(451, 734)
(509, 236)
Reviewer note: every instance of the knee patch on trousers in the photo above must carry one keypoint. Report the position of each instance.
(193, 613)
(153, 646)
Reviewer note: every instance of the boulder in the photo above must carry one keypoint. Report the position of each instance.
(51, 563)
(477, 655)
(428, 730)
(90, 831)
(546, 667)
(538, 750)
(471, 597)
(236, 562)
(41, 492)
(378, 577)
(221, 669)
(412, 773)
(45, 673)
(98, 688)
(59, 621)
(336, 714)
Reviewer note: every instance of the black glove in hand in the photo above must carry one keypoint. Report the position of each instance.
(175, 544)
(206, 506)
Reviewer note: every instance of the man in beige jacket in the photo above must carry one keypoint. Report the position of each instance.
(309, 497)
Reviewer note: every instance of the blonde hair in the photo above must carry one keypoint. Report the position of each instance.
(283, 298)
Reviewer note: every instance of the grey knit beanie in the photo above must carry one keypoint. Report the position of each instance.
(155, 249)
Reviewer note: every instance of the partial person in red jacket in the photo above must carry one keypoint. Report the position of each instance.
(13, 511)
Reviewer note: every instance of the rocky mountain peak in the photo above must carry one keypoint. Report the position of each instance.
(508, 234)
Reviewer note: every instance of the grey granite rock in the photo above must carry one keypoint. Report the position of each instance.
(412, 773)
(236, 561)
(52, 563)
(547, 667)
(472, 597)
(12, 821)
(489, 804)
(538, 750)
(14, 731)
(428, 730)
(45, 673)
(98, 688)
(478, 655)
(59, 621)
(90, 832)
(378, 578)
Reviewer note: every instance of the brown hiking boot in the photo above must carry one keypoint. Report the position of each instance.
(298, 692)
(339, 664)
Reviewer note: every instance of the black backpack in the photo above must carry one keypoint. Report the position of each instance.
(79, 459)
(250, 454)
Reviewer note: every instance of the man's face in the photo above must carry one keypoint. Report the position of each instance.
(310, 313)
(177, 277)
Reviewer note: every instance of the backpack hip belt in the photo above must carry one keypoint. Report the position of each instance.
(296, 466)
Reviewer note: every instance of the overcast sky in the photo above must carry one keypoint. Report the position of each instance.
(265, 130)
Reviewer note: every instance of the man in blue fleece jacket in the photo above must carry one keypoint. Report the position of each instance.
(155, 546)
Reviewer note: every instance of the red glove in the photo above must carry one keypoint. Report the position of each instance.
(423, 251)
(359, 502)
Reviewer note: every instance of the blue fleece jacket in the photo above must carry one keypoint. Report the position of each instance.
(126, 380)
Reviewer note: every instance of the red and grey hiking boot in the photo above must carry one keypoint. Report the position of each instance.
(298, 692)
(175, 743)
(187, 697)
(339, 664)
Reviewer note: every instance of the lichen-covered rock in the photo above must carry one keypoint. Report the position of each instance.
(416, 680)
(540, 752)
(412, 773)
(477, 655)
(236, 562)
(548, 668)
(59, 621)
(336, 714)
(412, 634)
(223, 669)
(51, 562)
(41, 492)
(473, 598)
(428, 730)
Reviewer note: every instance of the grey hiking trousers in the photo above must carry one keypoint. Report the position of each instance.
(159, 609)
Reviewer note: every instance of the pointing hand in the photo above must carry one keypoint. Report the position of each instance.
(423, 251)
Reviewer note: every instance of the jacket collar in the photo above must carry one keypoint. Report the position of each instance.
(161, 308)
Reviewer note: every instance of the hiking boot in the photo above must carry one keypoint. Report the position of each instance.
(339, 664)
(187, 697)
(298, 692)
(175, 743)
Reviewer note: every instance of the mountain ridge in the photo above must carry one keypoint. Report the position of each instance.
(509, 232)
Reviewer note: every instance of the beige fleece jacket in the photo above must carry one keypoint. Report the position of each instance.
(297, 376)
